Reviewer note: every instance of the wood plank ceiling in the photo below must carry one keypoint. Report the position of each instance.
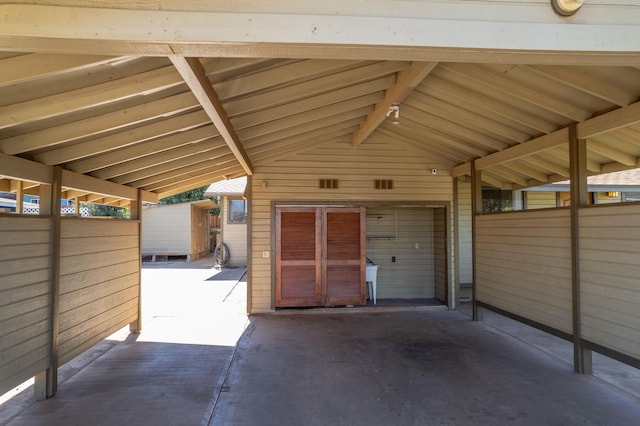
(152, 122)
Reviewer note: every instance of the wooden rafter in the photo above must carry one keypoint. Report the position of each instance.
(407, 80)
(193, 74)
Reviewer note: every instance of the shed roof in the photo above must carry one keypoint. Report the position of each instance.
(203, 204)
(227, 187)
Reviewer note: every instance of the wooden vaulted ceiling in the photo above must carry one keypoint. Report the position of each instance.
(154, 123)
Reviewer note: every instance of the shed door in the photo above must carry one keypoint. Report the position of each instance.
(320, 256)
(344, 254)
(298, 257)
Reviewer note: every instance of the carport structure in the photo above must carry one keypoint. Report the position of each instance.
(127, 103)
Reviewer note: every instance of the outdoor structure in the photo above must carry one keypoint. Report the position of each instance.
(180, 230)
(362, 129)
(234, 217)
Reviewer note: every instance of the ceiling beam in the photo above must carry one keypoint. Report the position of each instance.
(102, 144)
(612, 153)
(193, 74)
(613, 120)
(496, 31)
(33, 65)
(407, 80)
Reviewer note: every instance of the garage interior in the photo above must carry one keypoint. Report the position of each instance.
(169, 102)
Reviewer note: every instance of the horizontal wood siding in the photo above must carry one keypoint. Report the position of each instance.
(99, 280)
(523, 264)
(412, 274)
(540, 200)
(440, 253)
(234, 236)
(25, 275)
(294, 178)
(167, 230)
(610, 277)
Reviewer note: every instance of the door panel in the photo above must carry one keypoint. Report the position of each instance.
(344, 247)
(298, 256)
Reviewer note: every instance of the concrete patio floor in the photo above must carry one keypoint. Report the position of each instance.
(373, 367)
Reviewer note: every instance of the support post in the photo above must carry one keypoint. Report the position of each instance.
(476, 209)
(46, 382)
(248, 195)
(19, 197)
(579, 197)
(135, 210)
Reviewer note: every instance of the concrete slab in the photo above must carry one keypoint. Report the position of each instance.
(405, 368)
(337, 366)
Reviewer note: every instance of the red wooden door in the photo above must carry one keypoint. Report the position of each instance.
(344, 246)
(298, 257)
(320, 256)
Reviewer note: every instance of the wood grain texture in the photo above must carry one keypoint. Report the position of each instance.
(25, 273)
(524, 265)
(609, 271)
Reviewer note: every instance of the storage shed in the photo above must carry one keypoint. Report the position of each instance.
(233, 209)
(177, 230)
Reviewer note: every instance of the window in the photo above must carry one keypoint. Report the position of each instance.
(237, 211)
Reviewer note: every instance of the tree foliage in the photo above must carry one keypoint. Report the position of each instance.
(185, 197)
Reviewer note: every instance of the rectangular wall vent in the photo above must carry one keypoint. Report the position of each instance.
(328, 183)
(383, 184)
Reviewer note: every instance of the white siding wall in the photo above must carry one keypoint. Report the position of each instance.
(99, 281)
(524, 265)
(412, 275)
(235, 236)
(464, 232)
(295, 178)
(167, 229)
(610, 274)
(25, 274)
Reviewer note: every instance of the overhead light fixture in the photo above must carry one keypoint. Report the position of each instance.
(566, 7)
(395, 110)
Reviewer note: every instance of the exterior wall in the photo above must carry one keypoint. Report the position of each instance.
(412, 275)
(609, 271)
(167, 230)
(99, 281)
(464, 233)
(25, 274)
(200, 230)
(295, 179)
(540, 200)
(234, 236)
(523, 264)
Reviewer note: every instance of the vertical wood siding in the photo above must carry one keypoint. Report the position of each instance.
(610, 277)
(234, 235)
(25, 274)
(524, 265)
(440, 253)
(200, 239)
(295, 178)
(99, 279)
(412, 275)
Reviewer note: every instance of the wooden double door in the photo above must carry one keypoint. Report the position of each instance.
(320, 256)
